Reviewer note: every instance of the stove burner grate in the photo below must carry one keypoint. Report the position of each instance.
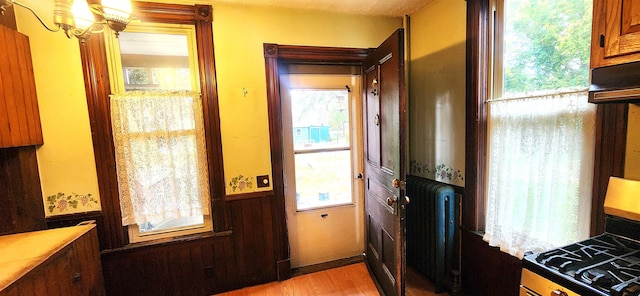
(606, 262)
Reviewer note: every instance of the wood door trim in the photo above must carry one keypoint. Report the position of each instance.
(609, 155)
(275, 55)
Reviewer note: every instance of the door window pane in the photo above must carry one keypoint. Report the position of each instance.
(320, 119)
(323, 179)
(322, 148)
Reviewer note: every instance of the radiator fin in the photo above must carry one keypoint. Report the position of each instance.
(431, 230)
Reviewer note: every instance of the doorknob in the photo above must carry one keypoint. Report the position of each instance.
(407, 200)
(398, 184)
(390, 201)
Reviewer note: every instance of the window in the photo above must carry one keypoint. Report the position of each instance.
(540, 126)
(97, 63)
(158, 128)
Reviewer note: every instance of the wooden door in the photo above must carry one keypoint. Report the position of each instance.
(385, 126)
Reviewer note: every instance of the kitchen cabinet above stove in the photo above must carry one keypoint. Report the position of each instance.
(615, 37)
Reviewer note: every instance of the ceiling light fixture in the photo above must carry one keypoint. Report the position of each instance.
(80, 18)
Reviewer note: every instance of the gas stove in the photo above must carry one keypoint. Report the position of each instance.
(607, 264)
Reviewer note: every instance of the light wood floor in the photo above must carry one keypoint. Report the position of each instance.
(352, 279)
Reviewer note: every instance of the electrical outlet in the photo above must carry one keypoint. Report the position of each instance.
(262, 181)
(208, 272)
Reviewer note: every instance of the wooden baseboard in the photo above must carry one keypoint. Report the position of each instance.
(283, 269)
(326, 265)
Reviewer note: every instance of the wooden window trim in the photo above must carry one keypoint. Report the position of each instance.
(477, 77)
(610, 136)
(97, 85)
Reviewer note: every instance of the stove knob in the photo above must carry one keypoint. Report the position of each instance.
(559, 293)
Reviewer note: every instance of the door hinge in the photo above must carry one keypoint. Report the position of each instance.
(602, 40)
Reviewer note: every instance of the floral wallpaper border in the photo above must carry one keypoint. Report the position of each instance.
(440, 172)
(64, 202)
(240, 183)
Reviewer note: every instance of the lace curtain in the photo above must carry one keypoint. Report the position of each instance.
(540, 171)
(160, 155)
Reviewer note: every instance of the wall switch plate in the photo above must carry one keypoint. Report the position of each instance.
(262, 181)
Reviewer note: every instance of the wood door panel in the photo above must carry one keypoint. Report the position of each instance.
(373, 237)
(380, 251)
(622, 30)
(388, 255)
(372, 117)
(389, 115)
(630, 16)
(376, 196)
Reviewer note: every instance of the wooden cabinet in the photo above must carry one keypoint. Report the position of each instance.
(19, 115)
(21, 203)
(615, 37)
(62, 261)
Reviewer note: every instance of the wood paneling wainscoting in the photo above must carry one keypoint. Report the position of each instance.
(194, 265)
(21, 204)
(487, 270)
(199, 265)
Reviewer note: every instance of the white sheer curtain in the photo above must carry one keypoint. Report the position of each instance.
(160, 155)
(539, 171)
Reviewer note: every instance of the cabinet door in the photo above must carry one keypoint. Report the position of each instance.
(19, 115)
(622, 34)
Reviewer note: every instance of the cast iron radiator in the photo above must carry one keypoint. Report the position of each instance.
(432, 220)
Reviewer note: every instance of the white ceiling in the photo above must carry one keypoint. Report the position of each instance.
(364, 7)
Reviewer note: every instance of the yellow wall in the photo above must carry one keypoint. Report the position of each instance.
(437, 91)
(239, 34)
(632, 155)
(66, 159)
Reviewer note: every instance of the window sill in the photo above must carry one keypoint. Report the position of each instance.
(168, 241)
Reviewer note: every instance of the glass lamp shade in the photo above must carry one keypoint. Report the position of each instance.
(82, 14)
(116, 10)
(62, 15)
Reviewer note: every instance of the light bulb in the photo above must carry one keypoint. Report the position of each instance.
(82, 15)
